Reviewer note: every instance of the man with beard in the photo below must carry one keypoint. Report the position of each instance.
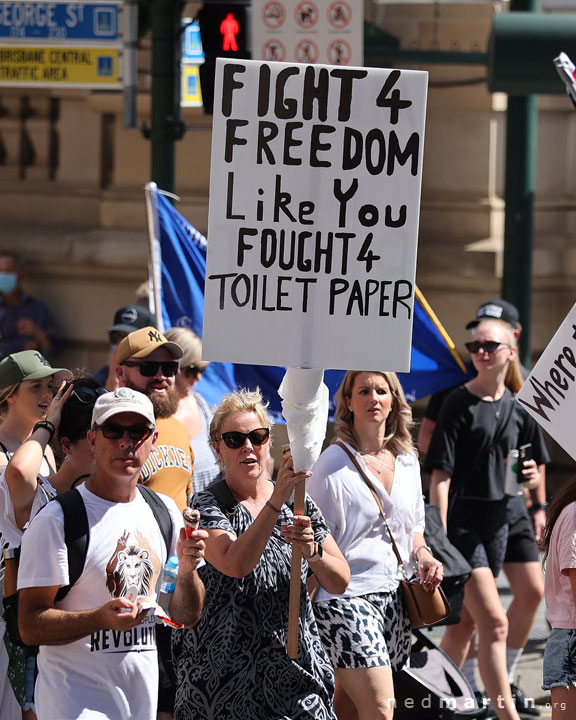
(148, 362)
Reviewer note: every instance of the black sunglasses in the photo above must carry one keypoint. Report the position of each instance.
(235, 439)
(489, 346)
(193, 370)
(149, 368)
(87, 395)
(136, 433)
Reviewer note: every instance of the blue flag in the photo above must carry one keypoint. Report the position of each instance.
(182, 258)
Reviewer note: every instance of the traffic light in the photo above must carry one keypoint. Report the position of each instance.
(224, 30)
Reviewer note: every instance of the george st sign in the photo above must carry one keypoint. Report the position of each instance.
(59, 21)
(62, 44)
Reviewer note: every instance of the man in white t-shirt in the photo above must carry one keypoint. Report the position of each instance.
(97, 650)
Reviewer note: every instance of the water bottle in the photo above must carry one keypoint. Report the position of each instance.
(168, 584)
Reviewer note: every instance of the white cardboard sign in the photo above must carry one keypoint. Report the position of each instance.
(549, 393)
(313, 219)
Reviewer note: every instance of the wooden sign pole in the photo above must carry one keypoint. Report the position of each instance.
(295, 579)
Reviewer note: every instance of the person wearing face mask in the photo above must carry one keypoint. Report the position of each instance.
(25, 321)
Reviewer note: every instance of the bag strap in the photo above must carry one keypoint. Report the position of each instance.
(160, 512)
(77, 530)
(378, 502)
(76, 536)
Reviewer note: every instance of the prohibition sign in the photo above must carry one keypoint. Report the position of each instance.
(273, 15)
(339, 53)
(306, 14)
(307, 51)
(339, 14)
(274, 50)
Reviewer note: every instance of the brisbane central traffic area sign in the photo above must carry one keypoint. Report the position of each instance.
(61, 44)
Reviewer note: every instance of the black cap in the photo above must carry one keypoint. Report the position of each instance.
(132, 317)
(496, 310)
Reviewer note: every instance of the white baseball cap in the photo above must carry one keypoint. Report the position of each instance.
(122, 400)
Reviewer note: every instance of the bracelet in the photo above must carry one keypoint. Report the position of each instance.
(269, 505)
(538, 506)
(421, 547)
(318, 553)
(45, 425)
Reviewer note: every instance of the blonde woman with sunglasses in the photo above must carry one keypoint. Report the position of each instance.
(234, 663)
(472, 472)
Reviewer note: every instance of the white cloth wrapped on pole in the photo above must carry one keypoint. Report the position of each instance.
(305, 409)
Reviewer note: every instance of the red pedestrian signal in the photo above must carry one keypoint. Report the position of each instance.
(229, 28)
(224, 31)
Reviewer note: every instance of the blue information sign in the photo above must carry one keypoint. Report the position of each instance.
(191, 43)
(23, 20)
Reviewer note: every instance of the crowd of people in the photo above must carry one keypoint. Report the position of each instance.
(96, 469)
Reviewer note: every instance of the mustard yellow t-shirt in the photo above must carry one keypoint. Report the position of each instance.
(170, 465)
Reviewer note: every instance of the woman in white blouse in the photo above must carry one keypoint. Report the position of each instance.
(366, 630)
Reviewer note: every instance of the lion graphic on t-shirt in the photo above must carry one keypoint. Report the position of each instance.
(129, 567)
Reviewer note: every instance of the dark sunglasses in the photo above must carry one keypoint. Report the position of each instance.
(87, 395)
(149, 368)
(115, 337)
(489, 346)
(193, 370)
(235, 439)
(136, 433)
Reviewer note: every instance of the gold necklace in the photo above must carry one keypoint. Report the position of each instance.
(370, 458)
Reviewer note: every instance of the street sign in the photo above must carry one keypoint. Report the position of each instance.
(190, 95)
(64, 21)
(191, 43)
(59, 66)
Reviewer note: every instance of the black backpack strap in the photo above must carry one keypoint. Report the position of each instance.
(224, 498)
(161, 514)
(76, 536)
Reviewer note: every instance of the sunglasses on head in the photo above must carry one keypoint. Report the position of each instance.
(193, 370)
(87, 395)
(235, 439)
(489, 346)
(136, 433)
(149, 368)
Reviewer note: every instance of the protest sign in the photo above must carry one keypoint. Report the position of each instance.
(314, 210)
(549, 393)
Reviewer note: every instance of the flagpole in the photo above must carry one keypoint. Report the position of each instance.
(155, 259)
(438, 325)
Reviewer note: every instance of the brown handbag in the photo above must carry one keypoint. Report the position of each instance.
(424, 607)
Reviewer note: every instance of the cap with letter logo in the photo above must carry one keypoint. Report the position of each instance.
(27, 365)
(140, 343)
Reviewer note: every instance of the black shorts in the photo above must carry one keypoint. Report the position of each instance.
(479, 529)
(522, 546)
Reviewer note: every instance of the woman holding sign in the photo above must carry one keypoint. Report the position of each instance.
(234, 664)
(473, 457)
(366, 631)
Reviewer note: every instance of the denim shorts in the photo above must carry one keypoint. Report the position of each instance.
(560, 659)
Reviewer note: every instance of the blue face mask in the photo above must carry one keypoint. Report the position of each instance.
(8, 282)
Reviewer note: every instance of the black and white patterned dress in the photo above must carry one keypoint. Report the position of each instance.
(233, 664)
